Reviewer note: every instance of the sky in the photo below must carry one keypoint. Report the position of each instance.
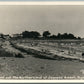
(56, 19)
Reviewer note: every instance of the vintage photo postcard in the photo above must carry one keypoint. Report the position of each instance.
(41, 41)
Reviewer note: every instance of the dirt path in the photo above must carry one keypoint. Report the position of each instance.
(4, 68)
(35, 67)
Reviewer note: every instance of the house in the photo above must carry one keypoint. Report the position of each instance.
(6, 36)
(2, 36)
(17, 35)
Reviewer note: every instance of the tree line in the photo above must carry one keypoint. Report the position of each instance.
(47, 35)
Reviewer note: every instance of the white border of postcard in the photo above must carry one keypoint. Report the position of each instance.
(42, 3)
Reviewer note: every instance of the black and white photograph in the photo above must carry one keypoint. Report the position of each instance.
(42, 42)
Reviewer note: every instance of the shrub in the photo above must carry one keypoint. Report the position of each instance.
(19, 55)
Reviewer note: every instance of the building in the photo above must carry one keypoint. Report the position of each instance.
(17, 35)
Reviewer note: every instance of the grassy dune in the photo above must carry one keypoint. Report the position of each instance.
(41, 58)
